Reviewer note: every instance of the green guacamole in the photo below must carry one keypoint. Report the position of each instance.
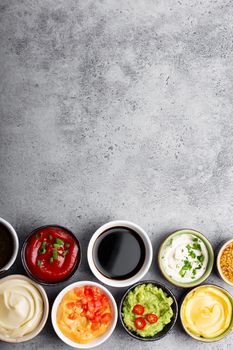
(155, 301)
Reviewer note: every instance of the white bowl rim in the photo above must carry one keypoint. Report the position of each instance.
(97, 341)
(44, 318)
(16, 245)
(218, 262)
(144, 269)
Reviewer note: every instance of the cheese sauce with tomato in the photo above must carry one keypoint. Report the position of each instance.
(84, 314)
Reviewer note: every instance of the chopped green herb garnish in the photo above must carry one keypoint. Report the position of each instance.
(199, 267)
(55, 254)
(39, 263)
(196, 246)
(200, 258)
(194, 272)
(65, 253)
(56, 245)
(67, 245)
(187, 265)
(43, 248)
(182, 272)
(51, 260)
(192, 254)
(195, 239)
(188, 246)
(59, 241)
(50, 237)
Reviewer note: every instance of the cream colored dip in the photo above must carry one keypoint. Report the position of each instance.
(21, 308)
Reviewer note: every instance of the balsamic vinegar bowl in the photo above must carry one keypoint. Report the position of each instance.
(148, 254)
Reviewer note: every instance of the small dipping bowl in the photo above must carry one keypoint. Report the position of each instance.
(45, 306)
(117, 226)
(219, 268)
(209, 266)
(97, 341)
(167, 328)
(207, 309)
(52, 255)
(10, 259)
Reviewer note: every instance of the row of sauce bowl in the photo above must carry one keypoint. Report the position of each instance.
(49, 250)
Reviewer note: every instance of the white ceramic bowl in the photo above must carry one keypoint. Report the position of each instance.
(145, 267)
(16, 245)
(41, 325)
(98, 340)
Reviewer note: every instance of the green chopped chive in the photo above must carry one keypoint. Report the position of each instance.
(65, 253)
(50, 237)
(56, 245)
(182, 272)
(194, 272)
(39, 263)
(200, 258)
(51, 260)
(196, 246)
(59, 241)
(55, 254)
(199, 267)
(187, 265)
(192, 254)
(43, 247)
(195, 239)
(67, 245)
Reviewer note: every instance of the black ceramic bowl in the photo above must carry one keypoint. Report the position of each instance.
(167, 328)
(30, 274)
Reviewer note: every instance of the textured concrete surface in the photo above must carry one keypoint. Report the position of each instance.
(117, 109)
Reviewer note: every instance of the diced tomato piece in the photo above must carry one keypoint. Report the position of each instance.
(95, 326)
(72, 316)
(152, 318)
(90, 316)
(98, 304)
(70, 305)
(91, 305)
(140, 323)
(105, 318)
(78, 304)
(79, 291)
(84, 301)
(138, 309)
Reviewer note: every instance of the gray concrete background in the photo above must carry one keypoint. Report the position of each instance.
(118, 109)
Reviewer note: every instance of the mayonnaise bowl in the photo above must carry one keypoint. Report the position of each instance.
(24, 309)
(207, 313)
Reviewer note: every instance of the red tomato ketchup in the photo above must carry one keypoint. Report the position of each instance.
(51, 254)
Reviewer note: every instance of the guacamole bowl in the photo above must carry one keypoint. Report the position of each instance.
(186, 258)
(148, 311)
(206, 313)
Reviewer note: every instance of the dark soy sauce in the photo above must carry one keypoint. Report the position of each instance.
(119, 253)
(6, 245)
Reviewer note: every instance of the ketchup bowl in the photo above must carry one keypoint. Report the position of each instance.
(51, 254)
(84, 314)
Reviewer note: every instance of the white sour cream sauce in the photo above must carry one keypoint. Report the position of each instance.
(176, 252)
(21, 308)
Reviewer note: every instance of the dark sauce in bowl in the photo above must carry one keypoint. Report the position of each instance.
(6, 245)
(119, 253)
